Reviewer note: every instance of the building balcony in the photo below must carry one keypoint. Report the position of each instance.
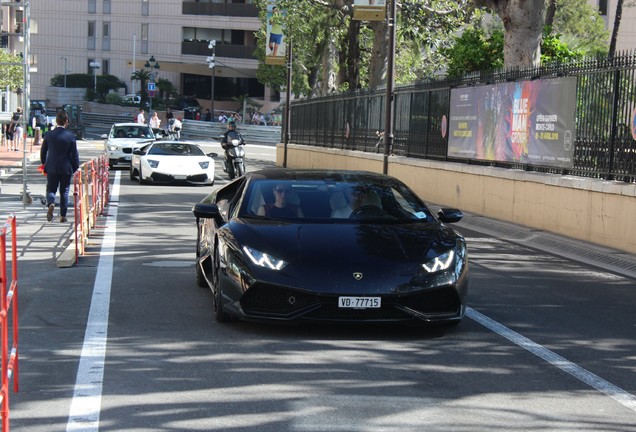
(222, 50)
(223, 9)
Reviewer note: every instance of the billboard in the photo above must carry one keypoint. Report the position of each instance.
(275, 43)
(530, 122)
(369, 10)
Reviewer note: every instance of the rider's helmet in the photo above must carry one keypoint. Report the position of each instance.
(231, 125)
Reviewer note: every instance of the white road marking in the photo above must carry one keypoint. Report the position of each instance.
(87, 395)
(593, 380)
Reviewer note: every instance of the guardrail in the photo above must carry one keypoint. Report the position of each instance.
(194, 129)
(91, 192)
(8, 297)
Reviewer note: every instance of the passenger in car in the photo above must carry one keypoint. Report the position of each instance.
(282, 207)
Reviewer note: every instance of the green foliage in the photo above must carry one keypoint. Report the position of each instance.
(73, 80)
(553, 49)
(11, 76)
(475, 50)
(581, 27)
(113, 98)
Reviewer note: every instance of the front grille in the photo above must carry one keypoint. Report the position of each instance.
(127, 150)
(199, 178)
(161, 178)
(273, 300)
(442, 300)
(279, 302)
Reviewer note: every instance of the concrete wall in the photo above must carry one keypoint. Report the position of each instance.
(600, 212)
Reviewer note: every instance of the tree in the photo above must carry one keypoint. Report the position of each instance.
(333, 52)
(523, 23)
(143, 76)
(11, 75)
(166, 89)
(579, 25)
(617, 23)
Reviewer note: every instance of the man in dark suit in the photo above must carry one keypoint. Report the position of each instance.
(61, 159)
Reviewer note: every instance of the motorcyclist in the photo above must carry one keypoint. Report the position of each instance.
(230, 134)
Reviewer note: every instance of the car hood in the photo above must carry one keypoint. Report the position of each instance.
(325, 256)
(130, 142)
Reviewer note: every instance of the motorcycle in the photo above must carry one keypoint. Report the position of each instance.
(233, 162)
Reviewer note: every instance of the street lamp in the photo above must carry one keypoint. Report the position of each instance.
(95, 65)
(65, 69)
(211, 65)
(152, 67)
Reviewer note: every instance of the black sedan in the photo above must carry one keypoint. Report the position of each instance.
(319, 245)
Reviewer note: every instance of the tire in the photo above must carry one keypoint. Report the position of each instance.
(132, 177)
(199, 276)
(140, 176)
(219, 314)
(240, 170)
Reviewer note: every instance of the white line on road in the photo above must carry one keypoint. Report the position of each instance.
(87, 395)
(594, 381)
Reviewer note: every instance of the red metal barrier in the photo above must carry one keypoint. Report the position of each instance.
(9, 297)
(91, 192)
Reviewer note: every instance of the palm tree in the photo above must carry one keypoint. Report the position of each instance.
(166, 88)
(143, 76)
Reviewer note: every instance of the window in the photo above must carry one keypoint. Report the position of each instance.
(106, 36)
(105, 66)
(106, 7)
(602, 7)
(90, 42)
(92, 6)
(145, 7)
(144, 39)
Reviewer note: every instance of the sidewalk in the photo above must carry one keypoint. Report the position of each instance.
(13, 159)
(38, 240)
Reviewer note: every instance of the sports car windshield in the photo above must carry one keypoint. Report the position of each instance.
(366, 200)
(175, 149)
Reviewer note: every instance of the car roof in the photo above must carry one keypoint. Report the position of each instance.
(129, 124)
(317, 174)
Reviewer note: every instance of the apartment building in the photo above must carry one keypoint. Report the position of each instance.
(74, 36)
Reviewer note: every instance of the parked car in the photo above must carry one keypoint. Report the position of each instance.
(172, 162)
(321, 245)
(123, 139)
(132, 99)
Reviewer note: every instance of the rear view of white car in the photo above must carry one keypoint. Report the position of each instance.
(172, 162)
(123, 139)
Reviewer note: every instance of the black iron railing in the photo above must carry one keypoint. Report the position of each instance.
(604, 144)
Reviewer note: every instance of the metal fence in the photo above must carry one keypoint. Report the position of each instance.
(604, 122)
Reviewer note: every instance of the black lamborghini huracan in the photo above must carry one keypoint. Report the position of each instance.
(321, 245)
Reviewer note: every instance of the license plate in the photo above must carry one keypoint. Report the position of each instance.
(127, 157)
(180, 177)
(359, 302)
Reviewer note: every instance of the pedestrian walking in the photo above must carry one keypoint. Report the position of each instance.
(60, 158)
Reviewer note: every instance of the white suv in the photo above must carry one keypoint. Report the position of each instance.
(123, 139)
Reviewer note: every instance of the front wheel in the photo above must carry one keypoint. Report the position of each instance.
(240, 169)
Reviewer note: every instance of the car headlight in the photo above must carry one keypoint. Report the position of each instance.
(204, 165)
(153, 163)
(112, 147)
(262, 259)
(440, 262)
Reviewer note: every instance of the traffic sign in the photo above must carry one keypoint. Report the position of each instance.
(151, 86)
(151, 93)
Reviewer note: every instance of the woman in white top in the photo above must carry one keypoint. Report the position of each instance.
(154, 121)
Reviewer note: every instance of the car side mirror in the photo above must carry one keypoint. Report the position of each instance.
(449, 215)
(205, 210)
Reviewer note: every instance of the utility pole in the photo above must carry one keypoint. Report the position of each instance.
(212, 64)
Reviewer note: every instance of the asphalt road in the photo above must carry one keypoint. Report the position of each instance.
(126, 341)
